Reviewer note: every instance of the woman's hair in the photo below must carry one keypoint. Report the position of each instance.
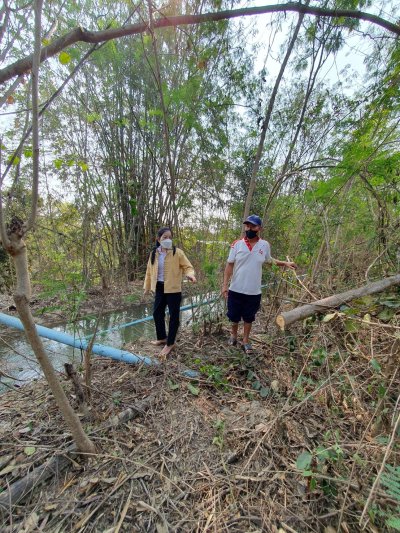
(160, 233)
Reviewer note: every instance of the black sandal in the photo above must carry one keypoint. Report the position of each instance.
(247, 348)
(232, 341)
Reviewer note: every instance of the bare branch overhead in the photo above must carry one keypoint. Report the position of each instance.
(82, 35)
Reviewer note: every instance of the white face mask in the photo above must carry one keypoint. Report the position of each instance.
(167, 244)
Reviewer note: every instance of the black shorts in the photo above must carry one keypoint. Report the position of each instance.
(243, 306)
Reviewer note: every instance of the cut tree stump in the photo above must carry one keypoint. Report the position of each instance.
(285, 319)
(81, 395)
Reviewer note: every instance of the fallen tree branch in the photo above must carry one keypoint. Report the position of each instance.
(285, 319)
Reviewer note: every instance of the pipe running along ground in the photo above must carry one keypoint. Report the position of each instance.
(100, 349)
(83, 344)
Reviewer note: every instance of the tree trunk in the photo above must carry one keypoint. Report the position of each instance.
(285, 319)
(21, 298)
(12, 241)
(316, 65)
(267, 119)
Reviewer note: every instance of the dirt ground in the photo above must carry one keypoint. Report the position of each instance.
(289, 439)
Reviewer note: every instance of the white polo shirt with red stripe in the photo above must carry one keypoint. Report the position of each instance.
(248, 262)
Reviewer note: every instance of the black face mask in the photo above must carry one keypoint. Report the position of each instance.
(250, 233)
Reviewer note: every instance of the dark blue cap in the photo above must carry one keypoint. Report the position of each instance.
(253, 219)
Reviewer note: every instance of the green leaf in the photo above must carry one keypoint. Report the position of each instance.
(313, 483)
(28, 152)
(29, 450)
(386, 314)
(329, 317)
(391, 303)
(194, 390)
(14, 161)
(349, 311)
(351, 326)
(45, 42)
(58, 163)
(218, 441)
(155, 112)
(382, 439)
(172, 385)
(146, 39)
(303, 461)
(256, 385)
(322, 453)
(64, 58)
(264, 392)
(92, 117)
(84, 166)
(394, 522)
(381, 391)
(375, 365)
(133, 204)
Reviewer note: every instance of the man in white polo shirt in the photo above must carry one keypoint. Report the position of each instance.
(244, 269)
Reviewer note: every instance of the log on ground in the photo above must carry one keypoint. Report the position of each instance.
(285, 319)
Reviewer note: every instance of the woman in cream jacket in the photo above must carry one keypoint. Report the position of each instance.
(165, 269)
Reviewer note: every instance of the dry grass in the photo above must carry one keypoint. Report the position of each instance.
(223, 459)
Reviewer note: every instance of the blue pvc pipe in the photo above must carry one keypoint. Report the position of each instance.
(100, 349)
(83, 344)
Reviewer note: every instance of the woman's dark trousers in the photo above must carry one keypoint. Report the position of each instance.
(162, 300)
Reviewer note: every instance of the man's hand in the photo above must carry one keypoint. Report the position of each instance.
(284, 264)
(192, 279)
(224, 292)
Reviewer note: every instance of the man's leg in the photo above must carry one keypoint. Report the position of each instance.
(249, 315)
(233, 313)
(234, 330)
(246, 332)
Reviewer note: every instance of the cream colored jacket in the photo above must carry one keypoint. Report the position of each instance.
(175, 266)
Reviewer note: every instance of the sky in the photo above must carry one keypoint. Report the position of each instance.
(351, 55)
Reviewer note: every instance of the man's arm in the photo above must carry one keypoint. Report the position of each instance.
(227, 276)
(283, 264)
